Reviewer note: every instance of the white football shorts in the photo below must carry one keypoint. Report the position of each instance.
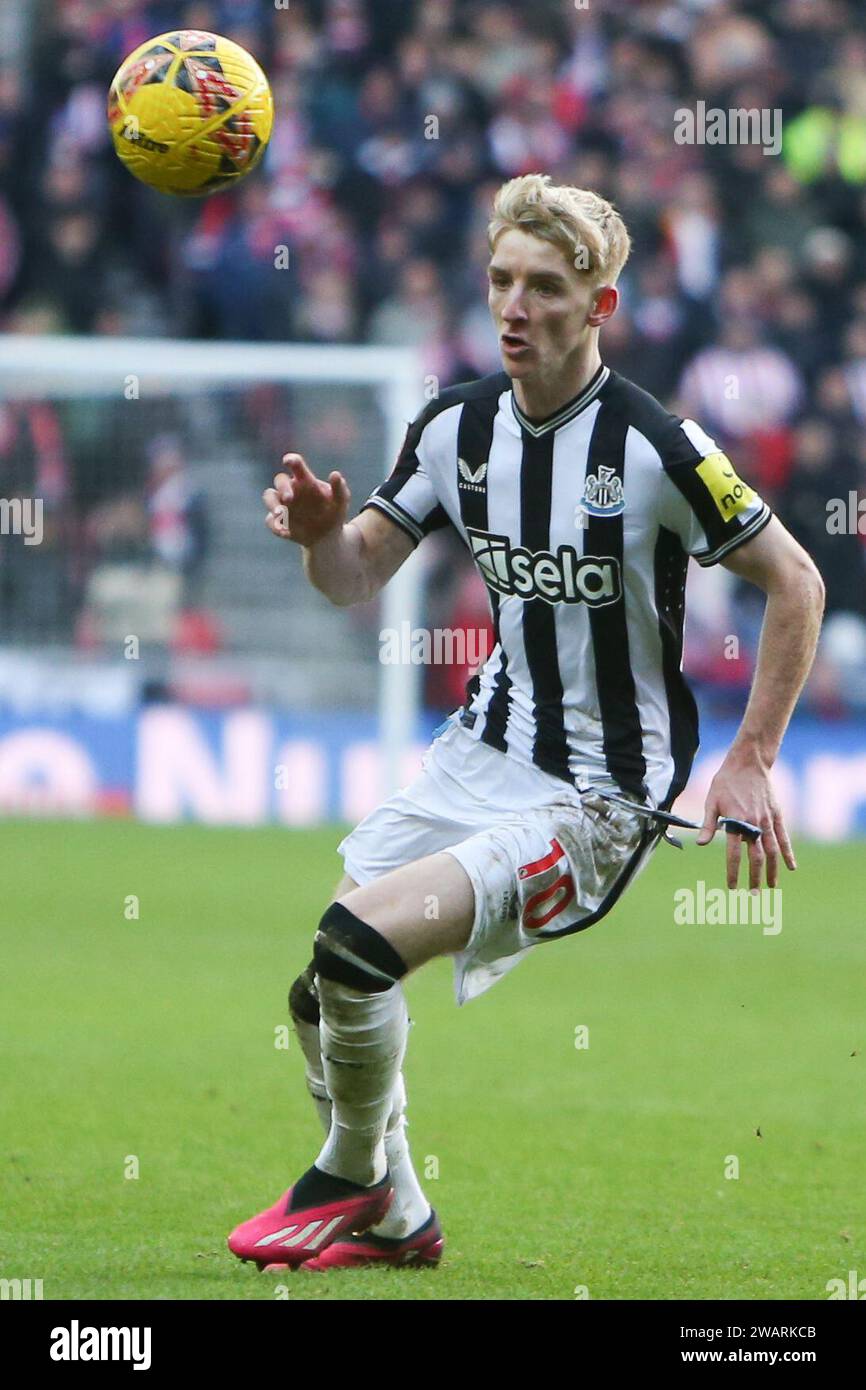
(544, 859)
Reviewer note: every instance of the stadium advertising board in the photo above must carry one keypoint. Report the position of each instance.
(170, 763)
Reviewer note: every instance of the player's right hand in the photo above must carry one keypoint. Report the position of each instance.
(301, 507)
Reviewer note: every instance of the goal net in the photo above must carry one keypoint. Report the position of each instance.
(136, 572)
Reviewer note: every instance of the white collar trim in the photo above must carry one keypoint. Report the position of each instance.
(567, 412)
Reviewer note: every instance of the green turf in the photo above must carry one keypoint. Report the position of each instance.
(557, 1167)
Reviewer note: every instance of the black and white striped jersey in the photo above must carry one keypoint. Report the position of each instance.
(581, 526)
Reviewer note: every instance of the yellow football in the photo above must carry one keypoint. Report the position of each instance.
(190, 113)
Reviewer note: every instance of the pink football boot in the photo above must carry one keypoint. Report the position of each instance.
(316, 1211)
(422, 1248)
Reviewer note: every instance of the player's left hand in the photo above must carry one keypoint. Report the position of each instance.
(742, 788)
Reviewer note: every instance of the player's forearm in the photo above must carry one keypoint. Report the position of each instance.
(338, 566)
(789, 638)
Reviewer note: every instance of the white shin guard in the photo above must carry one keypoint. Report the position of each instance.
(363, 1039)
(410, 1207)
(308, 1037)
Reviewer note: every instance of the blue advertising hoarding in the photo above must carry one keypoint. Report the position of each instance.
(167, 763)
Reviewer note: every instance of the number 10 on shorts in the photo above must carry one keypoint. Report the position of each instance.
(549, 900)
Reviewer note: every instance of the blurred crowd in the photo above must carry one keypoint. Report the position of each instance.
(744, 302)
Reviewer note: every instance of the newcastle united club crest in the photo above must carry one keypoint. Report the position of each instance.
(603, 494)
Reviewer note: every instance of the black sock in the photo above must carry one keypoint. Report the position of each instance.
(316, 1188)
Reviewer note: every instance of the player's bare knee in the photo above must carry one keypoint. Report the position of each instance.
(349, 952)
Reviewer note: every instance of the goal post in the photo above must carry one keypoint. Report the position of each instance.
(56, 368)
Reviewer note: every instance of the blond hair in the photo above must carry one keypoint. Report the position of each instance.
(587, 229)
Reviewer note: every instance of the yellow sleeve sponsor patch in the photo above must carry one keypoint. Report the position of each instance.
(729, 493)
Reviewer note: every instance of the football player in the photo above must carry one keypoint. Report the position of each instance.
(580, 499)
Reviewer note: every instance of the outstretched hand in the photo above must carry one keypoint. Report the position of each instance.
(742, 788)
(303, 508)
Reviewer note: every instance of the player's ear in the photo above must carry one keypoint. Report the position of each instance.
(604, 306)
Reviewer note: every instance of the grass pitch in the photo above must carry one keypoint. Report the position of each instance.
(147, 1045)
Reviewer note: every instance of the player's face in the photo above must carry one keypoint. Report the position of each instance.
(543, 309)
